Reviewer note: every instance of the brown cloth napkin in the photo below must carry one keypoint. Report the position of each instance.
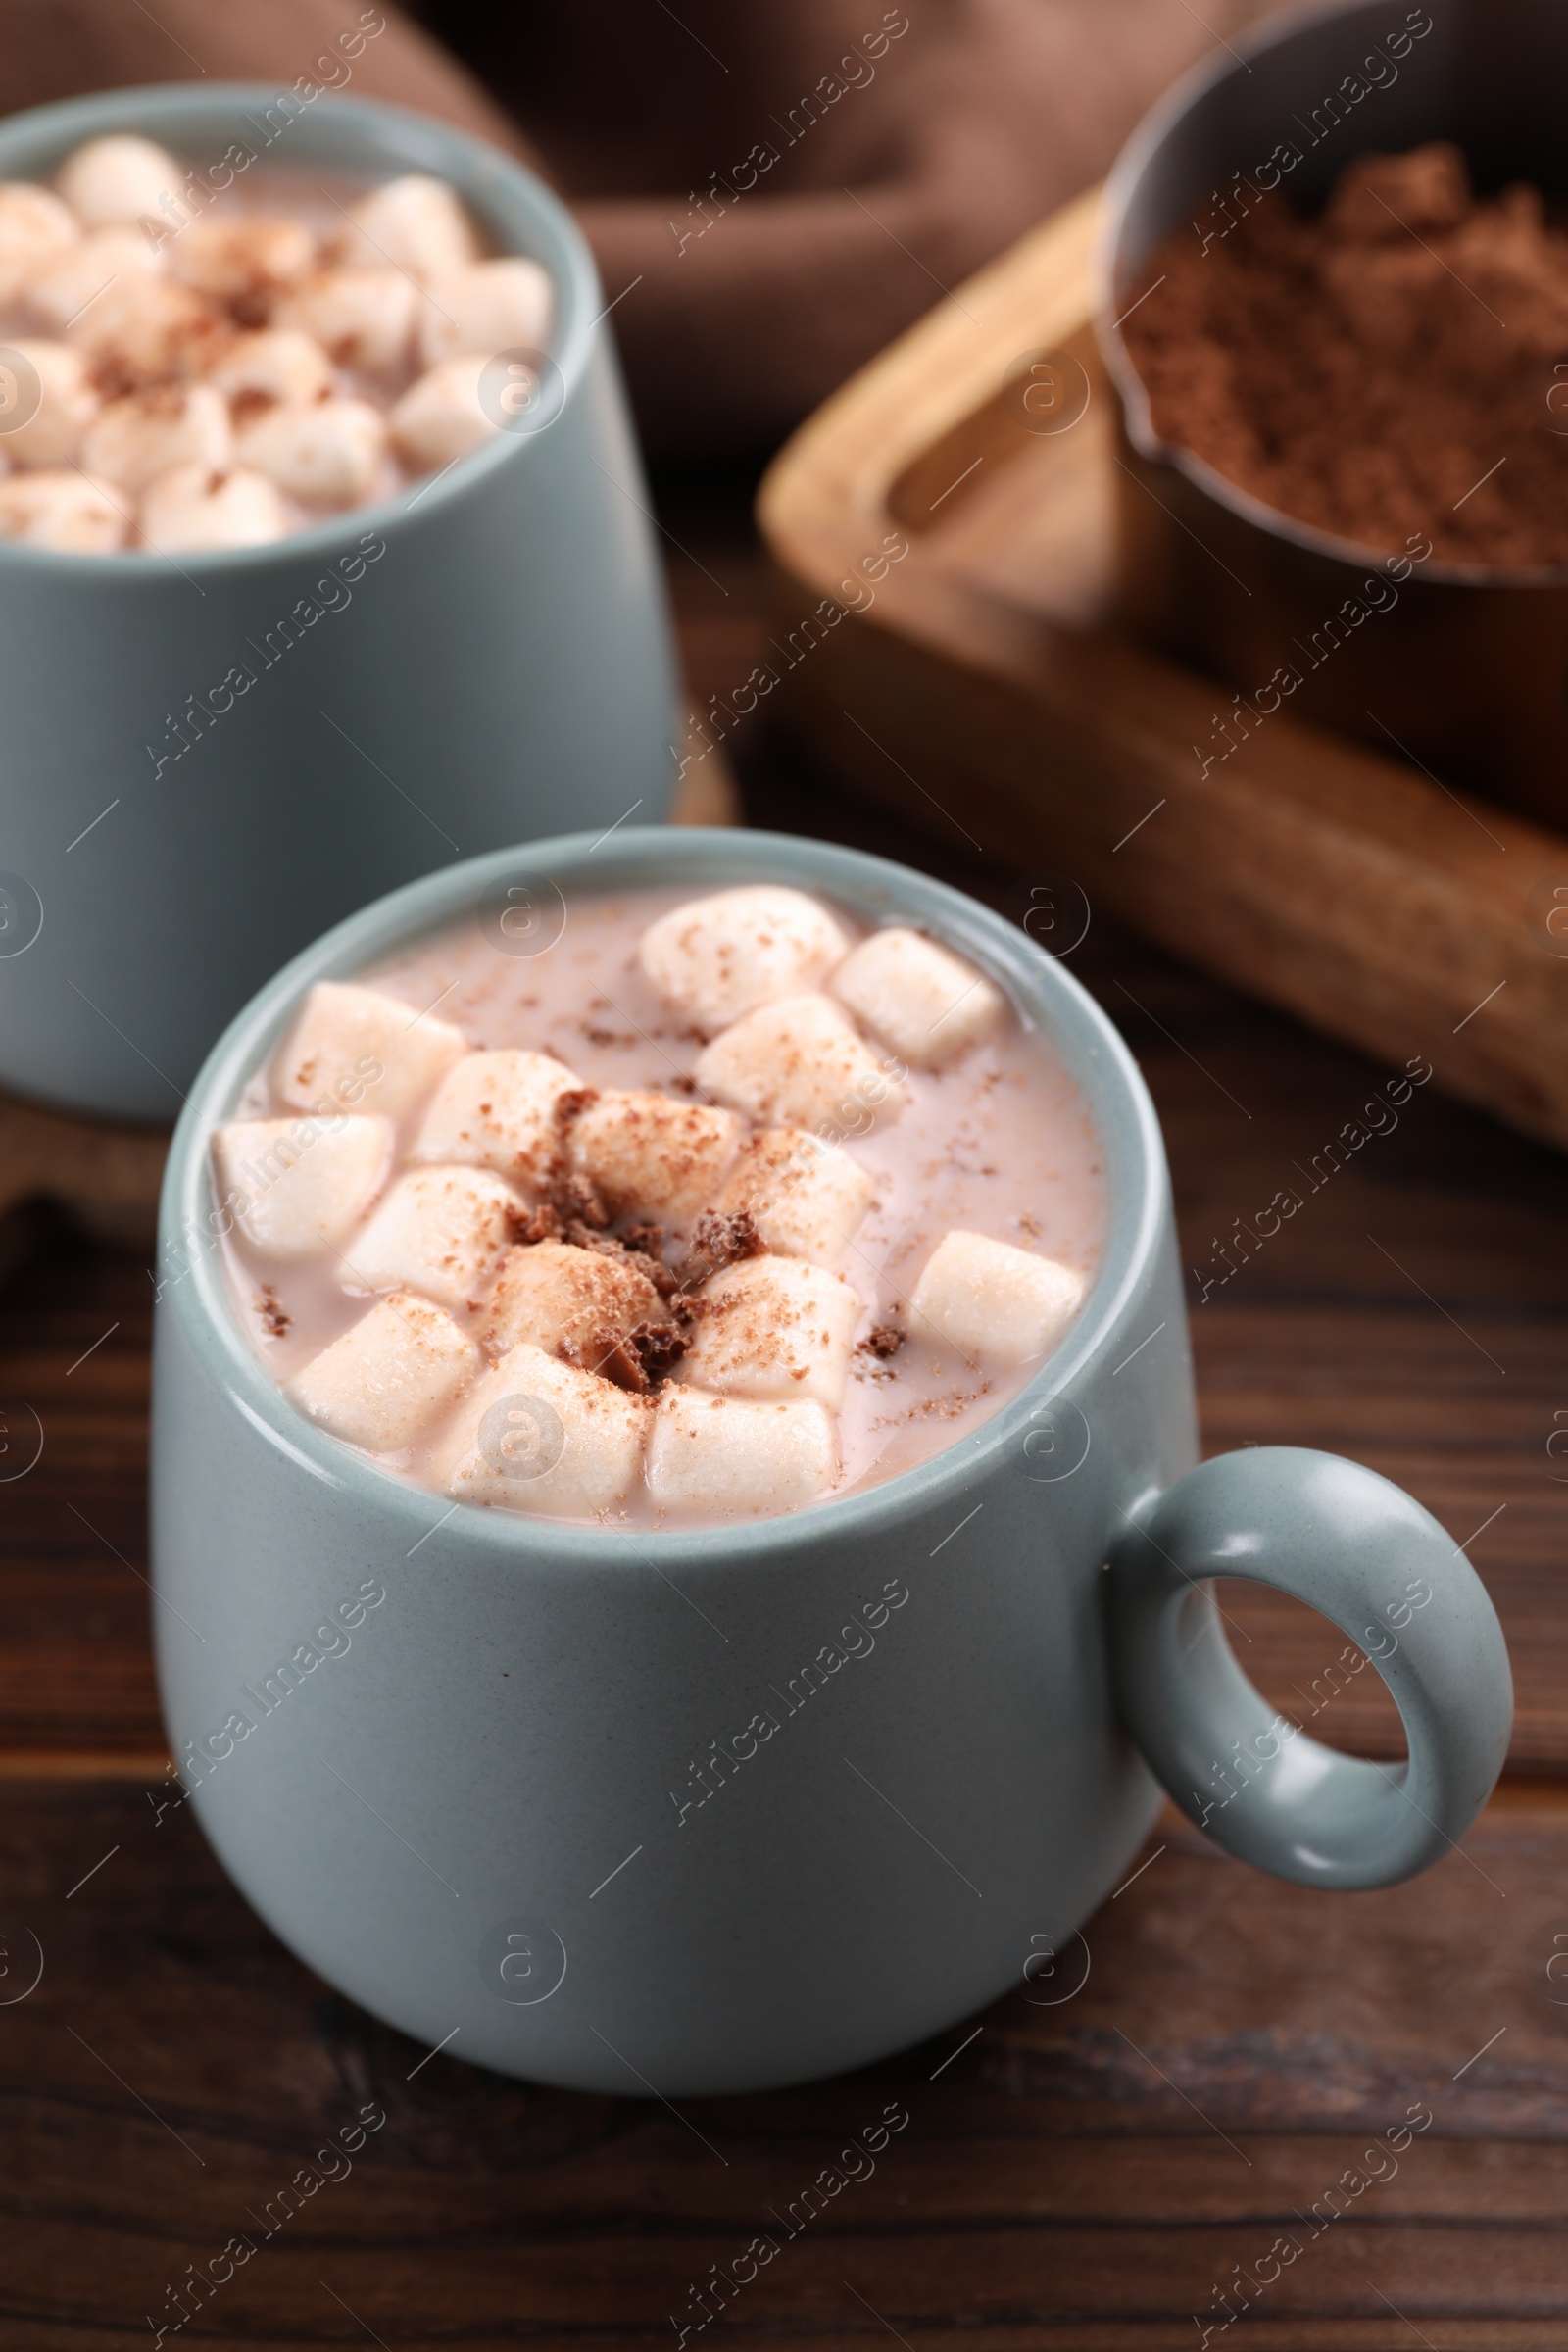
(772, 192)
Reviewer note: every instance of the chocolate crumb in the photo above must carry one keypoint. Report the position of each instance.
(719, 1238)
(569, 1106)
(638, 1361)
(276, 1320)
(883, 1340)
(613, 1356)
(660, 1345)
(577, 1201)
(541, 1223)
(247, 403)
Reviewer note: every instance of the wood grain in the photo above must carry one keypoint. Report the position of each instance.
(1082, 2165)
(985, 675)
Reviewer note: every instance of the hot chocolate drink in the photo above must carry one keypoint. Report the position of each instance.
(709, 1210)
(175, 382)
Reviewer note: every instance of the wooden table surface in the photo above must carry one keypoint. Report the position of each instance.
(1104, 2159)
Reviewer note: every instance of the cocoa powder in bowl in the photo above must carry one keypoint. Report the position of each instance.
(1380, 370)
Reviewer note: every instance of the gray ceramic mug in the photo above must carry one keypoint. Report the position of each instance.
(708, 1811)
(481, 660)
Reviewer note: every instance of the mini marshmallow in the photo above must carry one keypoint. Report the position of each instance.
(995, 1303)
(806, 1198)
(363, 318)
(327, 454)
(276, 362)
(489, 307)
(560, 1297)
(441, 1231)
(539, 1435)
(81, 274)
(774, 1328)
(35, 229)
(917, 998)
(298, 1184)
(647, 1152)
(798, 1063)
(143, 435)
(387, 1377)
(498, 1110)
(116, 178)
(413, 224)
(353, 1044)
(721, 1455)
(715, 958)
(439, 418)
(67, 404)
(65, 511)
(193, 509)
(141, 329)
(246, 261)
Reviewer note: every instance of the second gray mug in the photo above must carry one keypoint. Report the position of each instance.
(210, 757)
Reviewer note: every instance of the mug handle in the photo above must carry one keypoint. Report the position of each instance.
(1361, 1551)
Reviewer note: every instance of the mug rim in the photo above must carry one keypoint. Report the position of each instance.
(1090, 1047)
(1123, 184)
(513, 202)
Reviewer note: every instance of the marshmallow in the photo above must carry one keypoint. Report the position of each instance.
(194, 510)
(246, 261)
(774, 1328)
(147, 433)
(386, 1378)
(363, 318)
(35, 229)
(917, 998)
(564, 1298)
(357, 1045)
(489, 307)
(542, 1436)
(412, 224)
(64, 511)
(498, 1110)
(142, 328)
(51, 435)
(798, 1063)
(441, 1231)
(118, 178)
(81, 274)
(439, 418)
(721, 1457)
(715, 958)
(295, 1185)
(992, 1301)
(644, 1151)
(276, 362)
(327, 454)
(805, 1198)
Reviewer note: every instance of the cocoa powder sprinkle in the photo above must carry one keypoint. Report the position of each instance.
(1381, 372)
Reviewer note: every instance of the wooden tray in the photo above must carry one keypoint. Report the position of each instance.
(981, 687)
